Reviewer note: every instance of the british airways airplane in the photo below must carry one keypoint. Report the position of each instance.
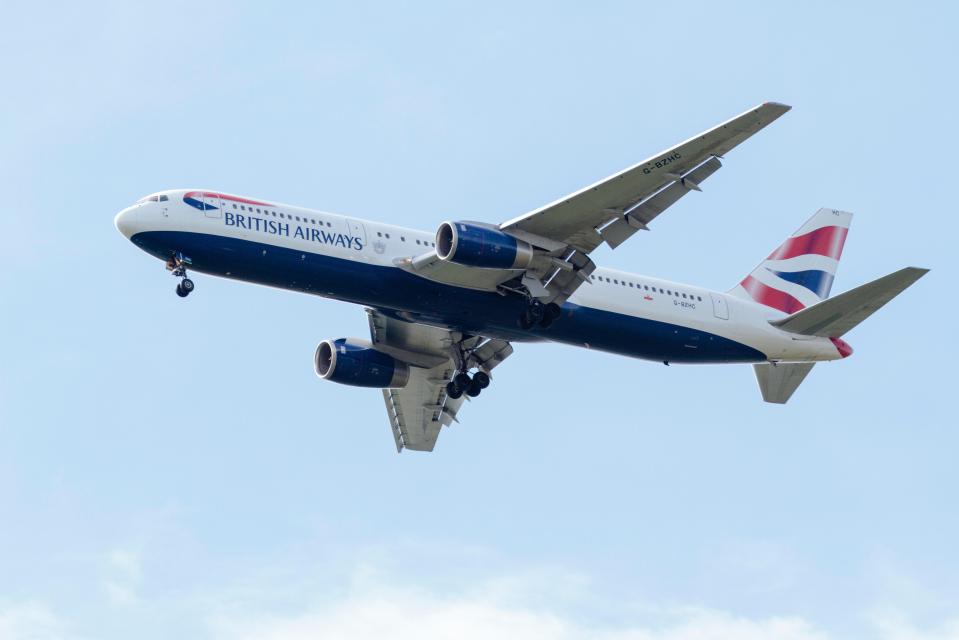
(445, 308)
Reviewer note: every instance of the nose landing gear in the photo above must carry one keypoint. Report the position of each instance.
(177, 265)
(184, 288)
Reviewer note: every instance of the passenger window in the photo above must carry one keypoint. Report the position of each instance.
(387, 236)
(234, 206)
(417, 241)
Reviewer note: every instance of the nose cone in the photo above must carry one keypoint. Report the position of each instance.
(842, 347)
(126, 222)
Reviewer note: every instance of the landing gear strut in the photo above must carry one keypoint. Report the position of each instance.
(177, 265)
(540, 314)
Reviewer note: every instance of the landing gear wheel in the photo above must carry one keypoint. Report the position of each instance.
(177, 265)
(481, 379)
(462, 380)
(525, 322)
(551, 312)
(474, 389)
(453, 391)
(533, 315)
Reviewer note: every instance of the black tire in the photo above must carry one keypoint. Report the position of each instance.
(180, 292)
(187, 285)
(474, 389)
(537, 312)
(481, 379)
(453, 391)
(525, 322)
(462, 381)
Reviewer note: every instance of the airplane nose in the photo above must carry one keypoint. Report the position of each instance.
(125, 222)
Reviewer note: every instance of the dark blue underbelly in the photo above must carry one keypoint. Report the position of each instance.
(397, 292)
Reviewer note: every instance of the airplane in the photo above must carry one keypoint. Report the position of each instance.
(444, 309)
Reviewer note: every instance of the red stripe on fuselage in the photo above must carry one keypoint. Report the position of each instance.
(223, 196)
(771, 297)
(825, 241)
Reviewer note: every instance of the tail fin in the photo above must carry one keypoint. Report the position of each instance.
(801, 271)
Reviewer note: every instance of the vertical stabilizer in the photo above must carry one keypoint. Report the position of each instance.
(800, 272)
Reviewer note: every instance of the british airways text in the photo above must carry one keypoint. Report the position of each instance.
(283, 229)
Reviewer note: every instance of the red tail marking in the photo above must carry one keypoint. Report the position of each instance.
(825, 241)
(771, 297)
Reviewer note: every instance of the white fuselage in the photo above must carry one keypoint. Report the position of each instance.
(158, 221)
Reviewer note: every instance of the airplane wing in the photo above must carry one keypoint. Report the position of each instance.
(574, 219)
(566, 231)
(615, 208)
(419, 410)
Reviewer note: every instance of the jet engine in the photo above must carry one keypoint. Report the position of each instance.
(478, 245)
(358, 364)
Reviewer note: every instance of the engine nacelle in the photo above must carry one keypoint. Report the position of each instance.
(480, 246)
(358, 364)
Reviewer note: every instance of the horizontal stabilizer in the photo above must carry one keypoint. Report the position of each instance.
(834, 317)
(777, 382)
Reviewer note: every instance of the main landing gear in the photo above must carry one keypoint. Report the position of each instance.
(177, 265)
(540, 314)
(463, 383)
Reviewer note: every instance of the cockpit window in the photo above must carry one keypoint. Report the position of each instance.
(154, 198)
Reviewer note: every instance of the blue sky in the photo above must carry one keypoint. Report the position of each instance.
(173, 468)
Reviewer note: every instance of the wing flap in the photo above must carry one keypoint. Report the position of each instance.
(620, 230)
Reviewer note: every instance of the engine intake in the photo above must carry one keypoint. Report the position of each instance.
(476, 245)
(358, 364)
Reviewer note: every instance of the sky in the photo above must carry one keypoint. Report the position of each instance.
(174, 468)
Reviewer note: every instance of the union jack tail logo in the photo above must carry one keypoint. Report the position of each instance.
(801, 271)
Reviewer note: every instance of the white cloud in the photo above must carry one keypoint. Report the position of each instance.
(401, 615)
(894, 625)
(123, 569)
(28, 621)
